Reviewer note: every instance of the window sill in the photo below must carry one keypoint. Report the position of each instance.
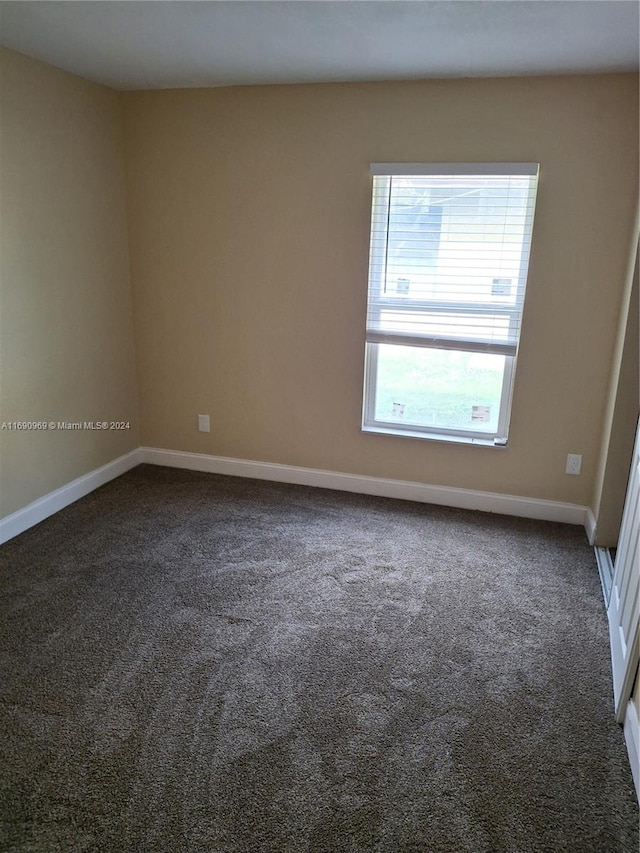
(435, 436)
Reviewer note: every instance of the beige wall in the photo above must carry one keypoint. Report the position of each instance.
(66, 329)
(621, 418)
(248, 221)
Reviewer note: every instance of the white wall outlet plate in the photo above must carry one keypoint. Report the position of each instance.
(574, 463)
(204, 423)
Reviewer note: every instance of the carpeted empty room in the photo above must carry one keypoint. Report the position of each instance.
(193, 662)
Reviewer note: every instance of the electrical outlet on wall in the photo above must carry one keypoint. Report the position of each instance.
(204, 423)
(574, 463)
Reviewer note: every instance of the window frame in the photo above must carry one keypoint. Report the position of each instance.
(378, 301)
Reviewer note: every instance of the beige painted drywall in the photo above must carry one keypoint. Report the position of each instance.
(621, 418)
(65, 307)
(249, 223)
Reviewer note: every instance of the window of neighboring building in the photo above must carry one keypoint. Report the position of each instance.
(447, 278)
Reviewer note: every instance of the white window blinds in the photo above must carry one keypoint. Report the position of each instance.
(449, 254)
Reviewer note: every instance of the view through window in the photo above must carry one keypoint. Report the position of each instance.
(447, 276)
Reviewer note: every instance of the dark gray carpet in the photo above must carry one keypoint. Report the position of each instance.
(201, 663)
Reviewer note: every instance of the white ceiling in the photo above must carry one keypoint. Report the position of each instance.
(169, 44)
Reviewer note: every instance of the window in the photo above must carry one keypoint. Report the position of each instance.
(447, 276)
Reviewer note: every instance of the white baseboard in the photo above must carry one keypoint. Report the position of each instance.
(45, 506)
(33, 513)
(403, 489)
(632, 737)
